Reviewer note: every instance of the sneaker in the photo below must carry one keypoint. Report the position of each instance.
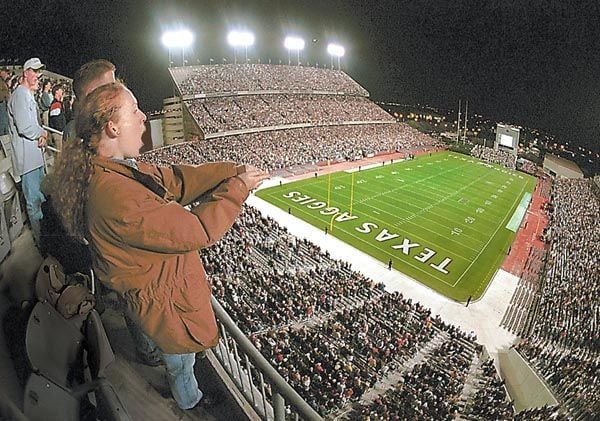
(209, 400)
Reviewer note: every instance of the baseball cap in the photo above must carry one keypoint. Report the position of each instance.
(33, 63)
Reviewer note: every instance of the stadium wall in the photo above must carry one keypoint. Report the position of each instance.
(522, 382)
(172, 121)
(555, 165)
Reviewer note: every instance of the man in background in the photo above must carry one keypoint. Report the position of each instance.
(4, 97)
(45, 100)
(87, 78)
(28, 138)
(57, 119)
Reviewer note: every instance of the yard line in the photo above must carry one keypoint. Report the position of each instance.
(447, 207)
(408, 220)
(420, 193)
(414, 235)
(277, 198)
(448, 197)
(424, 180)
(427, 229)
(434, 221)
(403, 186)
(475, 194)
(453, 222)
(500, 225)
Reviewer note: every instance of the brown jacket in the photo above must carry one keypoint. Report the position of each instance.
(145, 244)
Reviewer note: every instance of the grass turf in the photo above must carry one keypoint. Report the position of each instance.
(441, 219)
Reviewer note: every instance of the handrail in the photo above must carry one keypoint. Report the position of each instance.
(282, 391)
(51, 130)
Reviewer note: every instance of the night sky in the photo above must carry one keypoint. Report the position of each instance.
(529, 62)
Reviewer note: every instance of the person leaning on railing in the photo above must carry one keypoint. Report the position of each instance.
(28, 138)
(144, 242)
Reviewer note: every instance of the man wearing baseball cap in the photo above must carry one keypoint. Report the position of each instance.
(28, 138)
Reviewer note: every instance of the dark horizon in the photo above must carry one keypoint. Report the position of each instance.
(535, 65)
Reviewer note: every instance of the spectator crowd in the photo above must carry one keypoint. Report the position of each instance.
(279, 149)
(495, 156)
(45, 96)
(527, 166)
(329, 331)
(222, 114)
(565, 343)
(209, 79)
(334, 334)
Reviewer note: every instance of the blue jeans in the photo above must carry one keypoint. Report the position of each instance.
(184, 386)
(31, 184)
(180, 368)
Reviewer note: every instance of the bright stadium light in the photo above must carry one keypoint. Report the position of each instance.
(181, 38)
(240, 39)
(336, 50)
(296, 44)
(178, 39)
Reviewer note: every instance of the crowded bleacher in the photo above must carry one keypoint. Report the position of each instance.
(527, 166)
(307, 314)
(338, 337)
(282, 149)
(285, 305)
(223, 114)
(565, 342)
(495, 156)
(43, 96)
(217, 78)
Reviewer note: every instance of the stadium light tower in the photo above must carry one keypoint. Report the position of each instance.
(294, 43)
(240, 39)
(182, 38)
(336, 50)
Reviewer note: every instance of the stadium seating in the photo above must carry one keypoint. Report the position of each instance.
(305, 311)
(193, 80)
(496, 156)
(222, 114)
(565, 341)
(282, 149)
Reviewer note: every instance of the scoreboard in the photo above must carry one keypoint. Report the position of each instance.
(507, 138)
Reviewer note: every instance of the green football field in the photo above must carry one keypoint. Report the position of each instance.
(446, 220)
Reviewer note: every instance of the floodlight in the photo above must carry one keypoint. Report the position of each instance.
(336, 50)
(294, 43)
(182, 38)
(240, 39)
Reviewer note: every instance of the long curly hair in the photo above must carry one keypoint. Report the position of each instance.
(69, 182)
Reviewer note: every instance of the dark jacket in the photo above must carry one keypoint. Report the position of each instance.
(56, 116)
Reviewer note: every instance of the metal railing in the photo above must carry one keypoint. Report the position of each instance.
(51, 130)
(240, 359)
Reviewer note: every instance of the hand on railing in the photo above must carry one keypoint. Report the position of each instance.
(43, 139)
